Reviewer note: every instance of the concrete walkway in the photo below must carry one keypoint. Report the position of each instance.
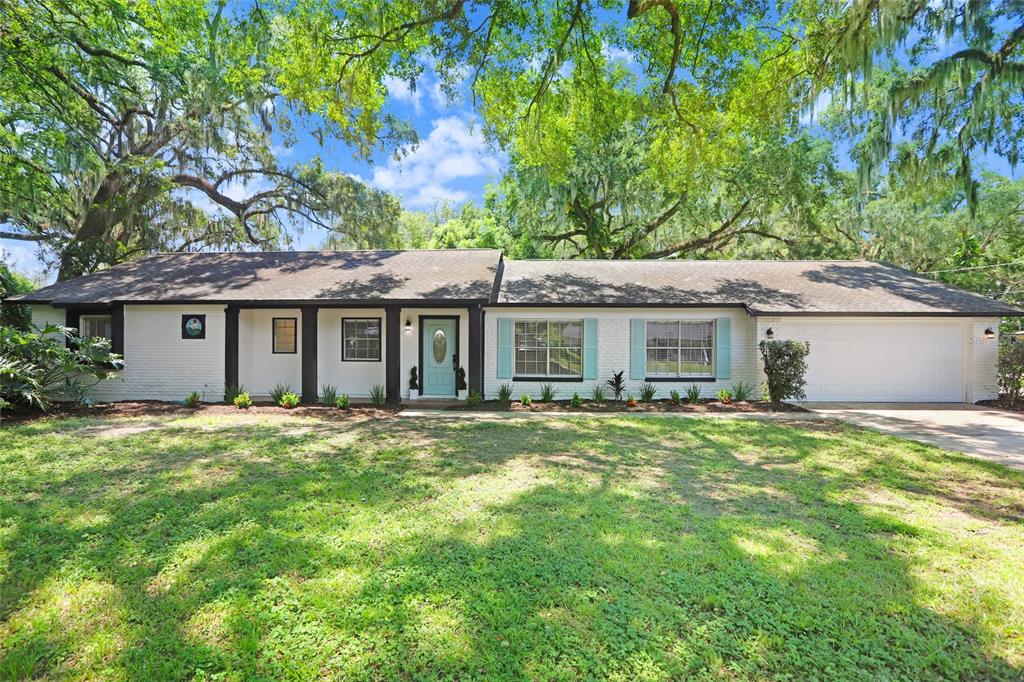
(995, 435)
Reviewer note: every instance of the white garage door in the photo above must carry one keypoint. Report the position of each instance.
(882, 359)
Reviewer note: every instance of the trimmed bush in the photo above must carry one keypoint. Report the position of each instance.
(242, 401)
(725, 396)
(343, 401)
(289, 400)
(785, 365)
(1011, 370)
(525, 399)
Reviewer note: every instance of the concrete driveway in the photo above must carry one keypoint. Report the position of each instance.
(995, 435)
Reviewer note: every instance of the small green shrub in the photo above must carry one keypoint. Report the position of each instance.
(414, 379)
(547, 393)
(474, 399)
(576, 400)
(290, 400)
(343, 401)
(460, 379)
(725, 395)
(785, 364)
(597, 395)
(505, 394)
(232, 392)
(1011, 370)
(674, 397)
(618, 384)
(193, 399)
(278, 392)
(328, 394)
(742, 391)
(378, 395)
(525, 399)
(242, 401)
(647, 392)
(693, 393)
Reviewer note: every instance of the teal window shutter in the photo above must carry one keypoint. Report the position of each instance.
(505, 348)
(637, 349)
(590, 348)
(723, 348)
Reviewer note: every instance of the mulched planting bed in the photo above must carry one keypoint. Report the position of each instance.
(140, 408)
(1003, 404)
(705, 406)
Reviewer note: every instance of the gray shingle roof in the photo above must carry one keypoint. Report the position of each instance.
(350, 276)
(468, 275)
(763, 287)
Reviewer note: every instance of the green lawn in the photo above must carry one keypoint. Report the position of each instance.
(256, 547)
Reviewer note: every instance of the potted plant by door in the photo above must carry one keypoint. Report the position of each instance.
(460, 384)
(414, 384)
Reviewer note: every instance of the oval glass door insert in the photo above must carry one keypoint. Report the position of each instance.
(440, 346)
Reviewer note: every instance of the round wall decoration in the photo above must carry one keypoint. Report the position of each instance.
(193, 326)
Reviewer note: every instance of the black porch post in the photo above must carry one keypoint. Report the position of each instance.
(231, 347)
(392, 354)
(309, 336)
(476, 350)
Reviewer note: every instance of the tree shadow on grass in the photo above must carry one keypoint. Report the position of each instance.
(407, 548)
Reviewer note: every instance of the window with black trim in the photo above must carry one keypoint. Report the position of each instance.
(549, 348)
(680, 348)
(101, 326)
(286, 334)
(360, 339)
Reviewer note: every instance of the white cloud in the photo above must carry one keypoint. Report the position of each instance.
(400, 91)
(454, 150)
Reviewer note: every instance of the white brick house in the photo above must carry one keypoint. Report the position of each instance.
(355, 320)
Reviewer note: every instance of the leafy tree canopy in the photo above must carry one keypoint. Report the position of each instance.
(128, 127)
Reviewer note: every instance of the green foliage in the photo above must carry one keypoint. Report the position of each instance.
(231, 392)
(474, 399)
(193, 399)
(725, 396)
(460, 379)
(328, 394)
(42, 366)
(378, 395)
(505, 394)
(343, 402)
(618, 384)
(289, 400)
(597, 394)
(547, 392)
(525, 399)
(11, 283)
(674, 397)
(576, 400)
(693, 393)
(414, 379)
(785, 364)
(278, 392)
(124, 121)
(742, 391)
(1011, 370)
(630, 400)
(242, 401)
(647, 392)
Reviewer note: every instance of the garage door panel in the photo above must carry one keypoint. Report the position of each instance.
(883, 360)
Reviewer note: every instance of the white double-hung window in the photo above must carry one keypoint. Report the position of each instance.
(680, 348)
(90, 326)
(549, 348)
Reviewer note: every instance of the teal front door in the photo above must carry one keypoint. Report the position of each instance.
(438, 343)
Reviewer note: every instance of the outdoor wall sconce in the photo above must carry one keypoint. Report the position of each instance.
(408, 326)
(989, 333)
(769, 333)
